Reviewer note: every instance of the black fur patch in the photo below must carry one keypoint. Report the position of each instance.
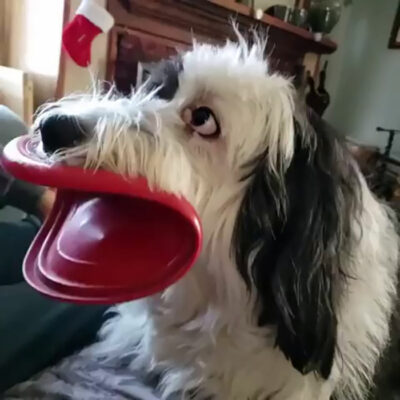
(165, 75)
(289, 239)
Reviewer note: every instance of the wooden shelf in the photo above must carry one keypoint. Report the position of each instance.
(233, 6)
(211, 19)
(323, 46)
(148, 30)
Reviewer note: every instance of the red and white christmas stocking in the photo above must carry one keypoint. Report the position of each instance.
(90, 20)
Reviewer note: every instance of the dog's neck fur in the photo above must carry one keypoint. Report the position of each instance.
(202, 335)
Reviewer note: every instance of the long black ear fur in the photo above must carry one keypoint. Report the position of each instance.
(289, 240)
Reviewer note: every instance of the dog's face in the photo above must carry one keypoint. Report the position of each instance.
(199, 122)
(215, 126)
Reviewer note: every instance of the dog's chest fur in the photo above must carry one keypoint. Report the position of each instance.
(200, 338)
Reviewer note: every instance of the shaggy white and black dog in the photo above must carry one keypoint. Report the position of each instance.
(293, 292)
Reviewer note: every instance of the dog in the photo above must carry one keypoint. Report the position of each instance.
(293, 292)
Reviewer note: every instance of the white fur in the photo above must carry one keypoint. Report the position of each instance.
(201, 333)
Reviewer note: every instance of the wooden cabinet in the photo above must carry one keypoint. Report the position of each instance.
(149, 30)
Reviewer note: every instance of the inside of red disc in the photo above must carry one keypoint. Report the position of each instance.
(108, 239)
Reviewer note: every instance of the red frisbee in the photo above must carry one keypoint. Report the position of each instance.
(108, 239)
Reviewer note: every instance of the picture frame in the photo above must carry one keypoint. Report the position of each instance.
(394, 40)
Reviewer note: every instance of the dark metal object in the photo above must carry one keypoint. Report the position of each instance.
(389, 144)
(383, 183)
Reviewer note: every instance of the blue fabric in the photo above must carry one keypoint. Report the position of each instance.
(13, 192)
(34, 331)
(15, 239)
(11, 125)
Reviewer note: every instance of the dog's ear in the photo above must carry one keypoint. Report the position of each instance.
(164, 76)
(288, 239)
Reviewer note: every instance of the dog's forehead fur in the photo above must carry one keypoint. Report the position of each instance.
(254, 107)
(236, 71)
(212, 68)
(226, 69)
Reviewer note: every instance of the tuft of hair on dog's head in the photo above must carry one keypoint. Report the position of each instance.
(291, 235)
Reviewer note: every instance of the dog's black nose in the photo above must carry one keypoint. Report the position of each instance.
(60, 131)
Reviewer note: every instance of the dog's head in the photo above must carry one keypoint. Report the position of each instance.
(217, 127)
(201, 119)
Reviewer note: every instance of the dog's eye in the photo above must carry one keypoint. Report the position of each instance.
(203, 121)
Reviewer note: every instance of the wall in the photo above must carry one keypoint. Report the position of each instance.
(264, 4)
(366, 74)
(34, 42)
(34, 39)
(336, 60)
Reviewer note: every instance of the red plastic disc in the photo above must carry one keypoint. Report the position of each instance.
(107, 239)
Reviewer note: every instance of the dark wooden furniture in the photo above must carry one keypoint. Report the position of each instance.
(149, 30)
